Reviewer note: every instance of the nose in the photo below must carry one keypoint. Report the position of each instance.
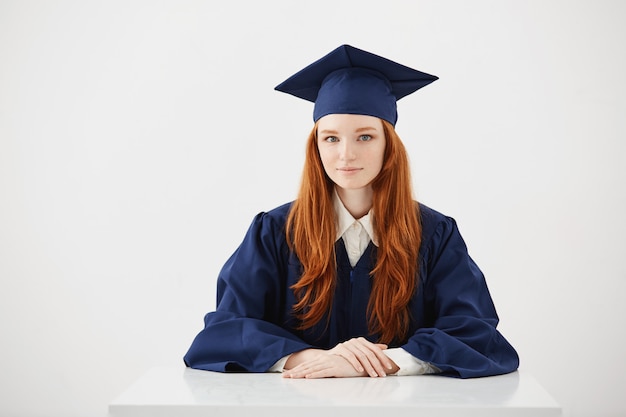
(347, 151)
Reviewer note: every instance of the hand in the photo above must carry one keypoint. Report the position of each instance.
(356, 357)
(316, 363)
(365, 356)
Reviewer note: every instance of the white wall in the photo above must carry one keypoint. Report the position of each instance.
(138, 139)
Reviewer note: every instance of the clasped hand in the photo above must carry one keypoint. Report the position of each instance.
(355, 357)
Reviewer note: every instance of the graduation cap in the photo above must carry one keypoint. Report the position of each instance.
(351, 81)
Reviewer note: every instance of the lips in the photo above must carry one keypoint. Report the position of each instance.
(348, 169)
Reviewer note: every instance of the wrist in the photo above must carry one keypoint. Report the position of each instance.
(299, 357)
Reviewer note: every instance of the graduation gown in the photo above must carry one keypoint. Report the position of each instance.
(453, 316)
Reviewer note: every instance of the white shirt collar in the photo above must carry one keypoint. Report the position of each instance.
(345, 220)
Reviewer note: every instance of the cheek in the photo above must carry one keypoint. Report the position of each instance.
(325, 158)
(380, 159)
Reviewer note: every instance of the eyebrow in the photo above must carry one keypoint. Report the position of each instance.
(359, 130)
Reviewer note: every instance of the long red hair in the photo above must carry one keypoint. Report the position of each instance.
(311, 235)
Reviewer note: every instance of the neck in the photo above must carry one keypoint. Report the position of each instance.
(357, 202)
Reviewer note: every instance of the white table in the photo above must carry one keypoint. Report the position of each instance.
(182, 392)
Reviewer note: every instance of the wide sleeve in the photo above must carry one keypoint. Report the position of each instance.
(246, 333)
(460, 337)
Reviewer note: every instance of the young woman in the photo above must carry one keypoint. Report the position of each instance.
(353, 278)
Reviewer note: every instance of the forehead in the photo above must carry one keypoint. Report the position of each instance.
(348, 122)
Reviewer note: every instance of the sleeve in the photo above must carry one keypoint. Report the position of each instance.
(463, 340)
(279, 366)
(244, 333)
(409, 364)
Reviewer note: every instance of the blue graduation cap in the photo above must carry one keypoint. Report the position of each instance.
(351, 81)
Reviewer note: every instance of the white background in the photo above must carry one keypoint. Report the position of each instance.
(139, 138)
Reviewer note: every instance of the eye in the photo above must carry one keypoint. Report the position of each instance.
(331, 139)
(365, 138)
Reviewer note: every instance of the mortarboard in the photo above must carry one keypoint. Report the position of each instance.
(350, 80)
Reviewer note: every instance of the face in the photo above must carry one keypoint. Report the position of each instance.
(352, 149)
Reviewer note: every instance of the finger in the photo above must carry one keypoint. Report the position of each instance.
(321, 373)
(320, 369)
(384, 359)
(343, 351)
(362, 353)
(299, 371)
(375, 363)
(318, 364)
(373, 354)
(333, 366)
(377, 349)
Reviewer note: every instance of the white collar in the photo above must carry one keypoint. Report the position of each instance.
(345, 219)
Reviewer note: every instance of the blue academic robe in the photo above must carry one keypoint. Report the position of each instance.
(453, 316)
